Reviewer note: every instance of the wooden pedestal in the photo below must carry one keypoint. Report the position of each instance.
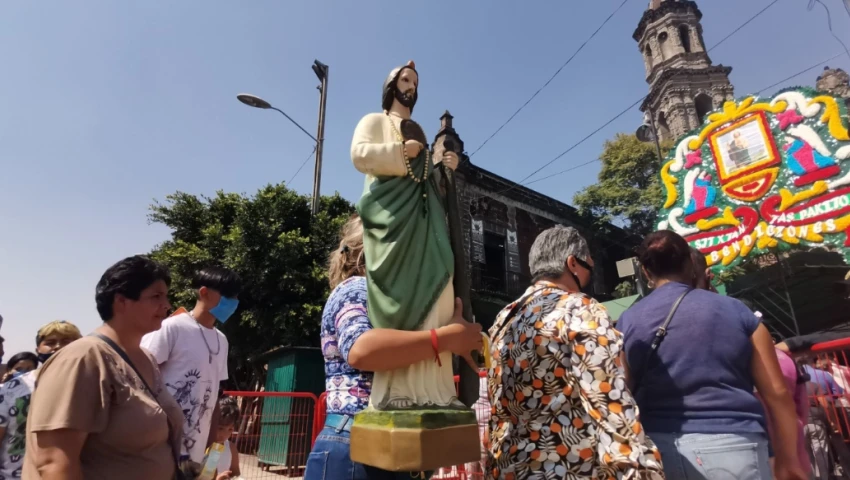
(415, 440)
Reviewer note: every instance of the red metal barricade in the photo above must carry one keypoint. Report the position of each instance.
(827, 428)
(275, 433)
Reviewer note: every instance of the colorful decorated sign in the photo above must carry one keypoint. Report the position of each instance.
(762, 175)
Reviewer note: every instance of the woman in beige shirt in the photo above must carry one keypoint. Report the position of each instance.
(92, 415)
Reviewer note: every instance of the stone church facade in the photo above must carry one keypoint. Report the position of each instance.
(684, 85)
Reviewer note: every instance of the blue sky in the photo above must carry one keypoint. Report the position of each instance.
(107, 107)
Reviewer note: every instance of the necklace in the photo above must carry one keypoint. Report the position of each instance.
(407, 160)
(427, 163)
(204, 337)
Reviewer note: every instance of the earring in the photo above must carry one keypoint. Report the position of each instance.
(650, 283)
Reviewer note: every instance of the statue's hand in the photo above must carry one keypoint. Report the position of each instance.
(412, 148)
(450, 159)
(462, 337)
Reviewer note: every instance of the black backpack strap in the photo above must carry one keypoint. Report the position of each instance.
(656, 341)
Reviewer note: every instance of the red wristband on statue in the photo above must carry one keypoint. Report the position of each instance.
(436, 346)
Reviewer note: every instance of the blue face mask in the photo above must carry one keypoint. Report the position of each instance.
(224, 309)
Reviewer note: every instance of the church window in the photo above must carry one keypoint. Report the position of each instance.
(703, 105)
(663, 46)
(685, 38)
(495, 269)
(662, 127)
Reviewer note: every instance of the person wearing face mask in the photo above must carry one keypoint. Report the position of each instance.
(53, 337)
(16, 392)
(192, 354)
(561, 407)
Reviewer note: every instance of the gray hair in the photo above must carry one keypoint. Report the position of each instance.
(551, 249)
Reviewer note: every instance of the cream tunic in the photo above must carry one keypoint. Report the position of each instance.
(376, 151)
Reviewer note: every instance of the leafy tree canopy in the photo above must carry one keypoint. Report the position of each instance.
(273, 242)
(629, 191)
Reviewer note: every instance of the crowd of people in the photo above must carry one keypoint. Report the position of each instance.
(136, 399)
(688, 385)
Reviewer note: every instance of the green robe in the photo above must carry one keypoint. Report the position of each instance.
(409, 258)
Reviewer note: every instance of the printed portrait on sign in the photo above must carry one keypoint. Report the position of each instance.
(742, 145)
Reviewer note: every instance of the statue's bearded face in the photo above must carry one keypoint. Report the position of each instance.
(405, 90)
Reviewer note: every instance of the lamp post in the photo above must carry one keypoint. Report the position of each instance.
(321, 71)
(648, 133)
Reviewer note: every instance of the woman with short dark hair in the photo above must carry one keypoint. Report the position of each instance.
(693, 359)
(100, 409)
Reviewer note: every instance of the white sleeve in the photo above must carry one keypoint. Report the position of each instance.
(161, 342)
(371, 155)
(222, 359)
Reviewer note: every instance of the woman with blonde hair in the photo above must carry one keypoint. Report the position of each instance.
(353, 350)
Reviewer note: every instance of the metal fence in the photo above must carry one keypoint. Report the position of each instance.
(275, 433)
(827, 428)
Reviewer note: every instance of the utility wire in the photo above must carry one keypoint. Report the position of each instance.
(801, 72)
(580, 48)
(744, 24)
(587, 137)
(829, 23)
(302, 166)
(763, 89)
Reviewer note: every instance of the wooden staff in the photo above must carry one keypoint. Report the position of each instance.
(468, 386)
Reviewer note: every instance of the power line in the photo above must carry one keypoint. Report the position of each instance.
(302, 166)
(743, 25)
(587, 137)
(801, 72)
(829, 22)
(573, 146)
(580, 48)
(763, 89)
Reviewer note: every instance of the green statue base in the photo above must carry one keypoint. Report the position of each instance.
(415, 440)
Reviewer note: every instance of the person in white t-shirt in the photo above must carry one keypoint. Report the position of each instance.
(192, 355)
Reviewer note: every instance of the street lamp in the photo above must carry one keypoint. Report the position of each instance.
(321, 71)
(648, 133)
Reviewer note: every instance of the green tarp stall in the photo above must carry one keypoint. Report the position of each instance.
(286, 424)
(617, 306)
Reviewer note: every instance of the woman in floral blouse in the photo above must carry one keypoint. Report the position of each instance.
(561, 408)
(353, 350)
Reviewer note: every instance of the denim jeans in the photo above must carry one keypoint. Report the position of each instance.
(727, 456)
(331, 460)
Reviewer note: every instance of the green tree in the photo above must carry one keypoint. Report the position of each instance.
(273, 242)
(629, 191)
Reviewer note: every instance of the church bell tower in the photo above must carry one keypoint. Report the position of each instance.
(683, 84)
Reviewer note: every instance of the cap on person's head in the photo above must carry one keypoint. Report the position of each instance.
(60, 328)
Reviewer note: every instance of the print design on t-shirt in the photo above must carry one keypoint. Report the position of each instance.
(17, 444)
(194, 409)
(17, 411)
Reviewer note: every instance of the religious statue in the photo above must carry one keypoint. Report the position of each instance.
(414, 421)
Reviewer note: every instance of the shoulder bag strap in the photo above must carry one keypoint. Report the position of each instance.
(121, 353)
(656, 341)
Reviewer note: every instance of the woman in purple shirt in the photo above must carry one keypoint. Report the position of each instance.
(695, 389)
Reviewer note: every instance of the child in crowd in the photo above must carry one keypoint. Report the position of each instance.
(228, 417)
(20, 364)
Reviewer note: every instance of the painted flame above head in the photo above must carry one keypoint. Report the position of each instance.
(411, 64)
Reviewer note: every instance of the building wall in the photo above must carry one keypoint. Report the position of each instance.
(486, 211)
